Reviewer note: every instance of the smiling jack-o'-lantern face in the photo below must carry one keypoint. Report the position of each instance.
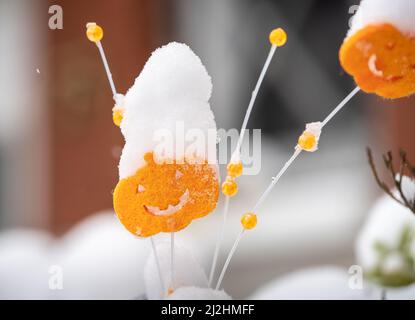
(165, 197)
(382, 60)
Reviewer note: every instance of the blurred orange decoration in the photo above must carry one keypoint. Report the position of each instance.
(85, 143)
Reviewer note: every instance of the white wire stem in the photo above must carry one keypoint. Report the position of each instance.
(219, 241)
(340, 106)
(275, 180)
(153, 245)
(107, 68)
(235, 157)
(172, 260)
(259, 202)
(228, 260)
(237, 151)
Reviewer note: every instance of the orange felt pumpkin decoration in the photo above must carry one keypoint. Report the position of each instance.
(381, 59)
(165, 197)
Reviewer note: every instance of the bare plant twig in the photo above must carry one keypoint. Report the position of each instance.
(405, 166)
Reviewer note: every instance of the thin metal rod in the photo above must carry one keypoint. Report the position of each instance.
(276, 179)
(219, 241)
(153, 245)
(252, 101)
(107, 68)
(172, 260)
(340, 106)
(228, 260)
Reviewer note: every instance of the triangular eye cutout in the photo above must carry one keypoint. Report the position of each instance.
(149, 158)
(178, 174)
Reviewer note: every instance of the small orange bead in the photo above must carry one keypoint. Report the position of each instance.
(249, 220)
(307, 141)
(117, 116)
(235, 169)
(94, 32)
(278, 37)
(229, 187)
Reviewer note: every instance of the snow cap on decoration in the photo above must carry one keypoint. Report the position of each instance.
(315, 129)
(171, 95)
(308, 141)
(379, 50)
(408, 188)
(386, 243)
(119, 100)
(399, 13)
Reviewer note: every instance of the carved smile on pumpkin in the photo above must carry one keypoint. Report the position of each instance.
(171, 208)
(381, 59)
(165, 197)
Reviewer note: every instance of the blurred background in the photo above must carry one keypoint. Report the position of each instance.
(59, 149)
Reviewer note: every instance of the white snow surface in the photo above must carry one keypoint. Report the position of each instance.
(326, 283)
(187, 271)
(195, 293)
(384, 224)
(97, 260)
(24, 263)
